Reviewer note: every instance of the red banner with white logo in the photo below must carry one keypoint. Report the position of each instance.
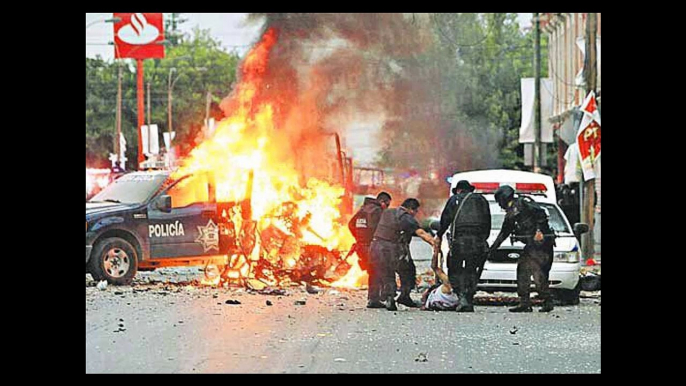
(139, 36)
(588, 136)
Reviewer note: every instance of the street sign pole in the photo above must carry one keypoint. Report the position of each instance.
(141, 110)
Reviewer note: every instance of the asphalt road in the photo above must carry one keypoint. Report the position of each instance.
(158, 326)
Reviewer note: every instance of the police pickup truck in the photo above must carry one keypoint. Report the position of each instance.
(145, 220)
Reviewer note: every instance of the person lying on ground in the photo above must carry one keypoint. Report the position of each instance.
(440, 296)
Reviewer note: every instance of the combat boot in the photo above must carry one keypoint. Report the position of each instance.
(406, 300)
(524, 306)
(375, 304)
(547, 305)
(464, 305)
(390, 304)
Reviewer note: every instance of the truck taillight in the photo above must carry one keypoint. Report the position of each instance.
(486, 187)
(525, 187)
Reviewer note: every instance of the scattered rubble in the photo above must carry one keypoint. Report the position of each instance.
(120, 326)
(255, 285)
(312, 289)
(272, 291)
(514, 330)
(102, 285)
(421, 357)
(590, 294)
(231, 301)
(590, 282)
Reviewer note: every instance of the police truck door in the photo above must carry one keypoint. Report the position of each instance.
(191, 228)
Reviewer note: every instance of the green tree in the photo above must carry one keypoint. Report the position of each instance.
(475, 65)
(171, 28)
(100, 112)
(201, 65)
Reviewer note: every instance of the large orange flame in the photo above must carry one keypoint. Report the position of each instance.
(248, 140)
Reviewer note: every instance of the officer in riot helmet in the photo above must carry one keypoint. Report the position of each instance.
(468, 216)
(528, 221)
(395, 227)
(362, 226)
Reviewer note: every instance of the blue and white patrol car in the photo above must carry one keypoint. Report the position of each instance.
(145, 220)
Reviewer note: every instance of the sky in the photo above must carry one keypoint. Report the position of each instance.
(230, 29)
(234, 33)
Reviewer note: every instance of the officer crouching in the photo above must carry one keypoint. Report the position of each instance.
(393, 233)
(529, 223)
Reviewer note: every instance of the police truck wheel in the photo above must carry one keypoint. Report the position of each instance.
(115, 260)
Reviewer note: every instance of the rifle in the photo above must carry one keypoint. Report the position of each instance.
(482, 261)
(352, 250)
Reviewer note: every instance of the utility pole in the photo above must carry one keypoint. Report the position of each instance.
(141, 109)
(169, 101)
(148, 104)
(590, 76)
(537, 156)
(207, 109)
(117, 139)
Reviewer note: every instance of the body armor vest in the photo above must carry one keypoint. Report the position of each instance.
(474, 216)
(389, 225)
(362, 223)
(529, 217)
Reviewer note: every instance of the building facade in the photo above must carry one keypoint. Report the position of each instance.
(566, 50)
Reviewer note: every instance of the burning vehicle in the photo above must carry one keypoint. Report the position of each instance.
(96, 180)
(264, 197)
(146, 220)
(261, 201)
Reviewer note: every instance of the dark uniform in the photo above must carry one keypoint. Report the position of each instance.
(362, 226)
(405, 268)
(395, 227)
(525, 219)
(468, 245)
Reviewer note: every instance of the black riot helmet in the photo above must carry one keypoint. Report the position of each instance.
(503, 195)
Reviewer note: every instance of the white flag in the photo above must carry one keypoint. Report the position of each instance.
(122, 150)
(572, 166)
(579, 80)
(150, 139)
(144, 138)
(167, 140)
(154, 140)
(526, 131)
